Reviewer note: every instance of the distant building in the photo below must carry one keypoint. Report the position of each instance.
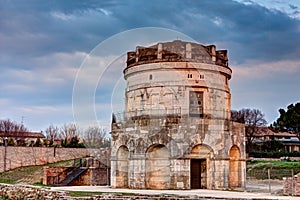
(290, 140)
(176, 131)
(21, 137)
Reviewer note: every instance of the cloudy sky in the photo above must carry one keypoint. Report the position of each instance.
(43, 44)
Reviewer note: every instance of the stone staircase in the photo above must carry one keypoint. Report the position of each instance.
(72, 176)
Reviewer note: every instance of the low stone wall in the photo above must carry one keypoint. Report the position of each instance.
(30, 192)
(20, 192)
(94, 176)
(293, 158)
(97, 173)
(292, 185)
(53, 175)
(14, 157)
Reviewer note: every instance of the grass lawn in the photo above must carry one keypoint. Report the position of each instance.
(83, 194)
(28, 175)
(278, 169)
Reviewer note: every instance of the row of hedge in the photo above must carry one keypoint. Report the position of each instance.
(273, 154)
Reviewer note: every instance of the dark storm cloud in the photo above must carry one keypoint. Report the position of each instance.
(43, 43)
(33, 28)
(252, 31)
(293, 7)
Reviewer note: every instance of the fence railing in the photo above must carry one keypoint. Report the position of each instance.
(272, 181)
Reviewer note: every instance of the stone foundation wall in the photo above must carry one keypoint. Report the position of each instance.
(53, 175)
(14, 157)
(100, 176)
(97, 173)
(93, 176)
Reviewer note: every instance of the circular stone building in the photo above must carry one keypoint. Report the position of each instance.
(176, 131)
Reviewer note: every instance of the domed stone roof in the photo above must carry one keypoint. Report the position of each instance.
(177, 51)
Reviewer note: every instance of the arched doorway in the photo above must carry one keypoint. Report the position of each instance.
(158, 167)
(234, 167)
(200, 161)
(122, 167)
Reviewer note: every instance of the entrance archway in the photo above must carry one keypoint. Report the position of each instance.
(158, 167)
(234, 167)
(200, 161)
(122, 167)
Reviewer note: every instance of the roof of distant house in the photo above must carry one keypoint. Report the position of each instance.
(265, 131)
(22, 134)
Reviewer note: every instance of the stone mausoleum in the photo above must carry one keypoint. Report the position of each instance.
(176, 132)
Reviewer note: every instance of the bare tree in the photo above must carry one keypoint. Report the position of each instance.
(52, 134)
(95, 137)
(10, 126)
(69, 131)
(253, 119)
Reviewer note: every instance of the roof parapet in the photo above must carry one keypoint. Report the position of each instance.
(177, 51)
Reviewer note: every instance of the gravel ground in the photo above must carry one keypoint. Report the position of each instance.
(201, 193)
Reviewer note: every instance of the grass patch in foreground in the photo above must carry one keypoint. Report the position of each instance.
(83, 194)
(6, 180)
(278, 169)
(287, 165)
(29, 174)
(40, 184)
(17, 175)
(4, 198)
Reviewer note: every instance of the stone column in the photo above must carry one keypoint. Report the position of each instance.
(213, 52)
(137, 166)
(45, 175)
(159, 51)
(221, 174)
(188, 50)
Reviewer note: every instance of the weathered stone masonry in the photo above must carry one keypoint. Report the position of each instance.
(176, 131)
(15, 157)
(20, 192)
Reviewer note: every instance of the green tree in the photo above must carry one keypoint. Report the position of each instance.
(38, 143)
(11, 142)
(75, 143)
(273, 145)
(288, 120)
(21, 142)
(69, 131)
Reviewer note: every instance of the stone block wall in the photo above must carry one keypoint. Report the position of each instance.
(14, 157)
(93, 176)
(134, 165)
(53, 175)
(96, 173)
(292, 185)
(100, 176)
(30, 192)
